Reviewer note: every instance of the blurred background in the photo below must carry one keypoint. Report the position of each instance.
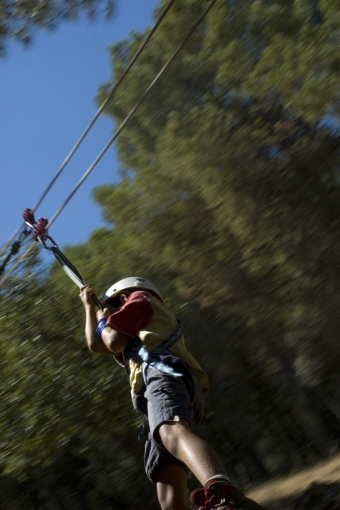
(227, 199)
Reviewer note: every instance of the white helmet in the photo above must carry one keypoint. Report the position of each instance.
(128, 283)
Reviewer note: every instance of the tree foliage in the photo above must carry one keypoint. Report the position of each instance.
(229, 202)
(230, 186)
(20, 19)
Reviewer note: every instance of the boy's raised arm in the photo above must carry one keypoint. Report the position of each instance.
(110, 341)
(94, 341)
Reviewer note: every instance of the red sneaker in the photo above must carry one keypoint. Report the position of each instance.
(223, 495)
(198, 497)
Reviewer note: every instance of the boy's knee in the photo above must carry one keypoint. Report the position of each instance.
(169, 433)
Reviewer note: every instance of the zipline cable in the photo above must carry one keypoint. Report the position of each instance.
(133, 111)
(117, 132)
(99, 111)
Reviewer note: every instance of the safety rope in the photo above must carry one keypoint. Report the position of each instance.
(117, 132)
(99, 111)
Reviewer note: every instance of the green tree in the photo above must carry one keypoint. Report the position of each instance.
(230, 185)
(229, 202)
(22, 18)
(64, 412)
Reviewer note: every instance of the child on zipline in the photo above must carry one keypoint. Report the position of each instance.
(167, 384)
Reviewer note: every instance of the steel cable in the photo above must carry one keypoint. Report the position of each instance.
(99, 111)
(117, 132)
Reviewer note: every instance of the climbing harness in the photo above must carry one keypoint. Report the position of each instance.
(138, 353)
(40, 233)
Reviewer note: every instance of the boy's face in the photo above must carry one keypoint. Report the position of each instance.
(117, 303)
(111, 308)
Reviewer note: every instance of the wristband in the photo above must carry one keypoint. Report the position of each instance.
(100, 326)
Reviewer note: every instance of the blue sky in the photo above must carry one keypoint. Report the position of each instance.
(47, 100)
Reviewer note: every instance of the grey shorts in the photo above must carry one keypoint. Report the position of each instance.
(167, 398)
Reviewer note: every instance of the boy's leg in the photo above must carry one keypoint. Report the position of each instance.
(204, 463)
(171, 487)
(200, 458)
(168, 474)
(173, 407)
